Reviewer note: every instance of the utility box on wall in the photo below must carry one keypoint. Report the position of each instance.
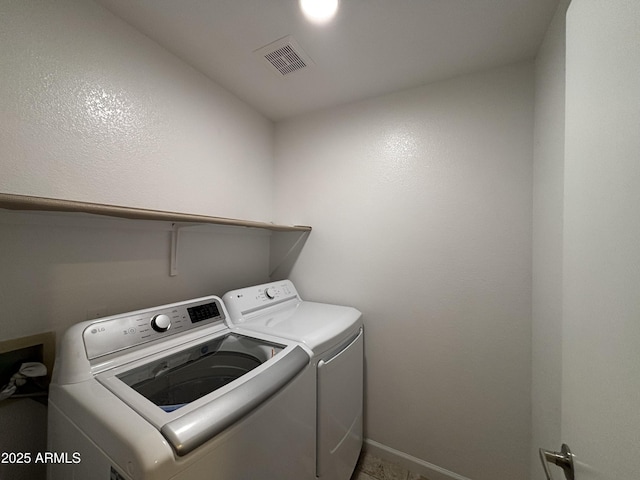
(35, 348)
(23, 416)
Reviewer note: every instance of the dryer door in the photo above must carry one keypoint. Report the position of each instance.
(340, 393)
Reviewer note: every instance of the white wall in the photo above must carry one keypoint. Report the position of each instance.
(58, 270)
(93, 110)
(421, 208)
(548, 198)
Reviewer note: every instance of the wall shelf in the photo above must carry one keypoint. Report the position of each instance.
(25, 202)
(178, 220)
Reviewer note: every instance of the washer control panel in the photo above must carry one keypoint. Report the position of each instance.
(251, 299)
(120, 332)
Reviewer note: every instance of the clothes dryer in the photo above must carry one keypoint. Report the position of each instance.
(333, 335)
(171, 393)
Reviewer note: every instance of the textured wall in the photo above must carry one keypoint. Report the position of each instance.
(93, 110)
(421, 208)
(57, 270)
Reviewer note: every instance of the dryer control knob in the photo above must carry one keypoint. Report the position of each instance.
(270, 293)
(161, 323)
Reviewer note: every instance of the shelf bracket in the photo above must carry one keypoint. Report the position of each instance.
(175, 246)
(173, 259)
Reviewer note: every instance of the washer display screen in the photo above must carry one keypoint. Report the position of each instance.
(203, 312)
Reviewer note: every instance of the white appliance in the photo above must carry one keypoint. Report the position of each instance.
(173, 393)
(334, 335)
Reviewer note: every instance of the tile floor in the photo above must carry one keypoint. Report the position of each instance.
(374, 468)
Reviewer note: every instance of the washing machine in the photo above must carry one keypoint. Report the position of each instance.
(333, 335)
(172, 392)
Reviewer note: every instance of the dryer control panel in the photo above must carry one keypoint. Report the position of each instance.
(119, 332)
(252, 299)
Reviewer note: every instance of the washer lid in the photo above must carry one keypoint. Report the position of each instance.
(193, 392)
(319, 326)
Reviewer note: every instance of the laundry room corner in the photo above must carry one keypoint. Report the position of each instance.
(380, 241)
(421, 207)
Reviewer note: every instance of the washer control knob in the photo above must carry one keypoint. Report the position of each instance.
(270, 293)
(161, 323)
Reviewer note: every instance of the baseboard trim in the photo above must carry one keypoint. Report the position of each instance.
(429, 470)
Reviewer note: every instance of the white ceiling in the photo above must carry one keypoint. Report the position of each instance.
(372, 47)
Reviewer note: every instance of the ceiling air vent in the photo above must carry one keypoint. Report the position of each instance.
(284, 56)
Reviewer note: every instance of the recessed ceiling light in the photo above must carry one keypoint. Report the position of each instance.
(319, 11)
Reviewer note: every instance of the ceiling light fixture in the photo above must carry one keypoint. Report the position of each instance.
(319, 11)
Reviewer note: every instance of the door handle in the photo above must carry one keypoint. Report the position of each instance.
(563, 459)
